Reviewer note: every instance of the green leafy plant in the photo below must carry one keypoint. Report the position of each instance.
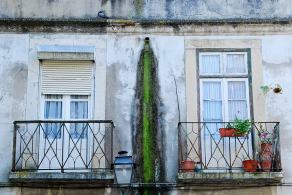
(277, 89)
(242, 126)
(265, 89)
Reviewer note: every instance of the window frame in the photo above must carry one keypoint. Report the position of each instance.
(224, 95)
(247, 76)
(66, 107)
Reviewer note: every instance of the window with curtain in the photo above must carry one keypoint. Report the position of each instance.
(78, 111)
(66, 86)
(66, 107)
(53, 111)
(223, 86)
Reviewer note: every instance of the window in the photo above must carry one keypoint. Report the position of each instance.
(53, 111)
(66, 107)
(66, 88)
(224, 92)
(78, 111)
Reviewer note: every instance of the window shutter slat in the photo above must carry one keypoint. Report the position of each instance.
(66, 77)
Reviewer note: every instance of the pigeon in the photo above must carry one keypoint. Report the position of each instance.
(101, 14)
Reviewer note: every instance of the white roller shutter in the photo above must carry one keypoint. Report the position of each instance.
(66, 77)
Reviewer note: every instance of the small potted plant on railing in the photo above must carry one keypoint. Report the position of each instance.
(266, 151)
(238, 128)
(227, 131)
(250, 165)
(188, 165)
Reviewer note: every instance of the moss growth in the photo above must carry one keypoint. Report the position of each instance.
(148, 125)
(147, 135)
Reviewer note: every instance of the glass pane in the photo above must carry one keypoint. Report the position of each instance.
(212, 111)
(237, 108)
(210, 64)
(236, 90)
(51, 96)
(53, 110)
(78, 110)
(237, 100)
(79, 97)
(235, 63)
(212, 103)
(212, 90)
(212, 107)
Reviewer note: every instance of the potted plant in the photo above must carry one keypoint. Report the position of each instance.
(266, 151)
(227, 131)
(250, 165)
(239, 128)
(188, 165)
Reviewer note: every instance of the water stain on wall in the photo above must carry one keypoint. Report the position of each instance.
(146, 128)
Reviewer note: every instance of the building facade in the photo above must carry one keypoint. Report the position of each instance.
(82, 80)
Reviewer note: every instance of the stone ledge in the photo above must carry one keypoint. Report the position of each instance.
(99, 177)
(65, 56)
(231, 178)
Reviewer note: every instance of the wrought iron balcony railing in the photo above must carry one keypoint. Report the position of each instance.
(202, 143)
(62, 145)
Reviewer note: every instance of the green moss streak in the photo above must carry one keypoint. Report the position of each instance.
(148, 126)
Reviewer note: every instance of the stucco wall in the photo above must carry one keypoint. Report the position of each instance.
(119, 55)
(155, 9)
(277, 59)
(115, 191)
(13, 74)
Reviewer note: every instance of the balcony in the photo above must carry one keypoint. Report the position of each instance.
(62, 151)
(213, 157)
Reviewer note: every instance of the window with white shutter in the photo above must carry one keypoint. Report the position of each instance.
(66, 88)
(66, 77)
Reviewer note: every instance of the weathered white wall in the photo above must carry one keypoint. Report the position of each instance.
(119, 54)
(123, 55)
(13, 75)
(155, 9)
(277, 58)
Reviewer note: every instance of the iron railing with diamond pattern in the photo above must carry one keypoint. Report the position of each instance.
(201, 142)
(62, 145)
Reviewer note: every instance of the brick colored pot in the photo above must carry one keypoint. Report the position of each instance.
(229, 132)
(266, 165)
(188, 165)
(266, 151)
(250, 165)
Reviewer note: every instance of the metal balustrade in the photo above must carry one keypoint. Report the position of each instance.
(201, 142)
(49, 145)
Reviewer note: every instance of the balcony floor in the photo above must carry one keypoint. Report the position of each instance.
(95, 178)
(231, 178)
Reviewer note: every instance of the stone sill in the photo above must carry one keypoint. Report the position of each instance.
(231, 178)
(96, 177)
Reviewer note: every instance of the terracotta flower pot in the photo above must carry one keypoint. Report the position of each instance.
(250, 165)
(188, 165)
(229, 132)
(266, 165)
(266, 151)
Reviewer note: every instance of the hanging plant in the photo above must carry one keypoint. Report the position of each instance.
(277, 89)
